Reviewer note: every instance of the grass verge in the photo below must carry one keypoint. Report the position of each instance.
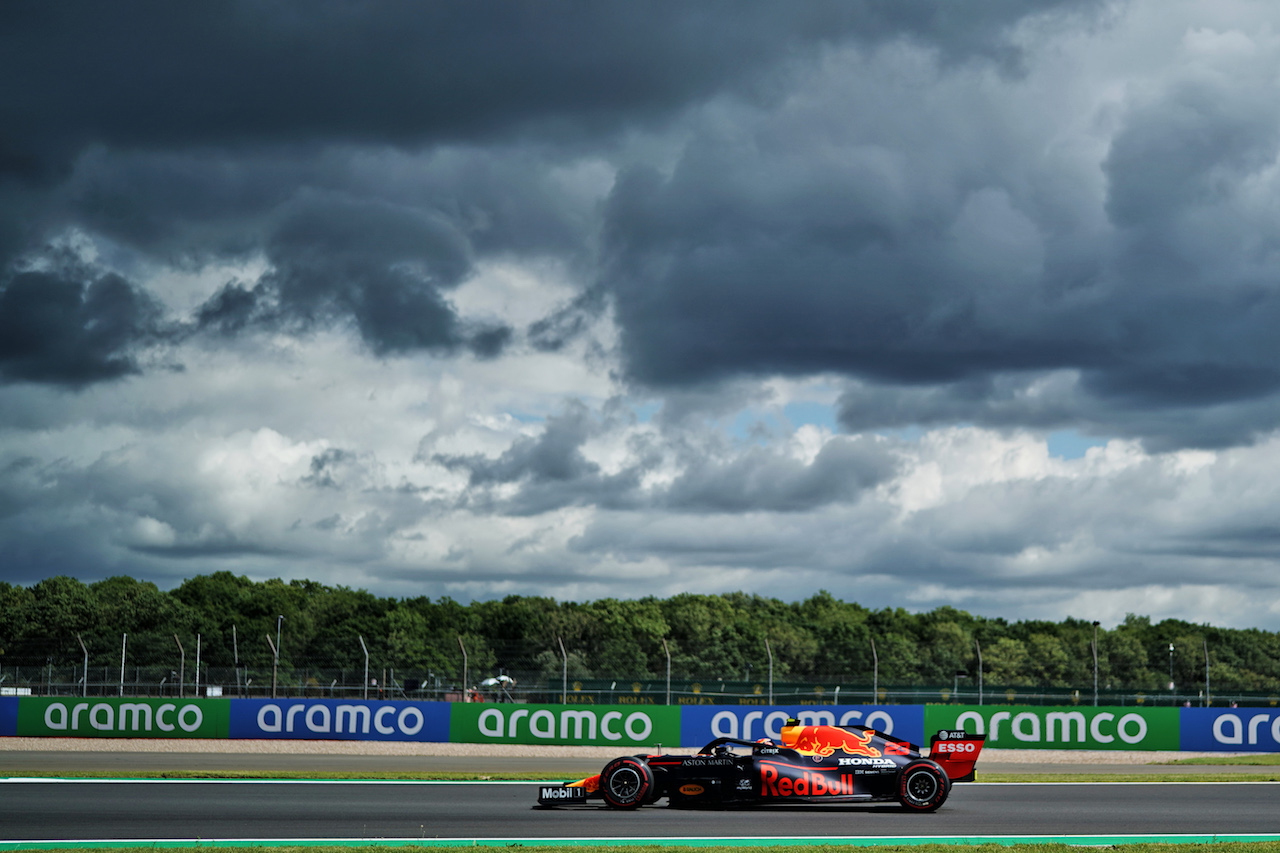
(1260, 759)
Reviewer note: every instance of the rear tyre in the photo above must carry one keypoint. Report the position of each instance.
(626, 783)
(923, 786)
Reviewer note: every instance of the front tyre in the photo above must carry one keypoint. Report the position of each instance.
(626, 783)
(923, 786)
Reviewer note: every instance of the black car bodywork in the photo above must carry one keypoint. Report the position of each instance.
(815, 764)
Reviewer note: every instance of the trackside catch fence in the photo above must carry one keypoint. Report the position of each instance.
(190, 669)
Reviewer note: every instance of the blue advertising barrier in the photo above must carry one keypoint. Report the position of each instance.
(8, 716)
(1199, 729)
(1230, 730)
(339, 719)
(700, 724)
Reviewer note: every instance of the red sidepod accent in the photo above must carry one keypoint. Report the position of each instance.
(956, 753)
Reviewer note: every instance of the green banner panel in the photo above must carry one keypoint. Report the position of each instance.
(624, 726)
(1046, 727)
(156, 718)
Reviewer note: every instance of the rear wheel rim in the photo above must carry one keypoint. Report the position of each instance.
(922, 786)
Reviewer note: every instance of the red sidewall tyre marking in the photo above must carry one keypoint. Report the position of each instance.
(626, 782)
(923, 786)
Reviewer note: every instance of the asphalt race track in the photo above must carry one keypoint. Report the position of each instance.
(103, 810)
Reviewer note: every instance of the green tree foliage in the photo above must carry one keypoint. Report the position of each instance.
(711, 638)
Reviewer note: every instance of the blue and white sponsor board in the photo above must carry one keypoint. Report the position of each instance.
(701, 724)
(8, 716)
(1230, 730)
(339, 719)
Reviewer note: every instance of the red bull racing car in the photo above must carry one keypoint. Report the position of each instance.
(814, 764)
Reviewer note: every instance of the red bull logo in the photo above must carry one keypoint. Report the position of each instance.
(806, 783)
(825, 740)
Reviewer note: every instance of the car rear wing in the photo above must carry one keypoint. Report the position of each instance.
(956, 752)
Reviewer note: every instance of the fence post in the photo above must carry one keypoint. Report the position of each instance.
(875, 672)
(86, 664)
(465, 695)
(276, 649)
(1095, 663)
(124, 642)
(978, 646)
(366, 668)
(275, 663)
(1207, 700)
(182, 666)
(668, 651)
(770, 653)
(564, 674)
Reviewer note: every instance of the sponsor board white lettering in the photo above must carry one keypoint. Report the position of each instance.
(726, 723)
(955, 747)
(563, 794)
(344, 719)
(1232, 729)
(574, 725)
(867, 762)
(132, 717)
(1060, 726)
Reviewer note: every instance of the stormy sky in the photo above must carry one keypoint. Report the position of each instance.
(921, 303)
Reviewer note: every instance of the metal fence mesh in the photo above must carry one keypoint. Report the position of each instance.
(45, 668)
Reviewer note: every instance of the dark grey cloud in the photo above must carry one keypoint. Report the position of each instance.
(715, 274)
(158, 75)
(1211, 413)
(761, 480)
(1188, 148)
(376, 238)
(325, 468)
(187, 133)
(941, 261)
(69, 327)
(382, 265)
(552, 470)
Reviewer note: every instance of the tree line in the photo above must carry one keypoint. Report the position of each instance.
(729, 637)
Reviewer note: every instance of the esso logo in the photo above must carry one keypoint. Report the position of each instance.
(953, 746)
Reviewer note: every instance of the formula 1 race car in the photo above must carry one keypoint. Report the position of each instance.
(813, 764)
